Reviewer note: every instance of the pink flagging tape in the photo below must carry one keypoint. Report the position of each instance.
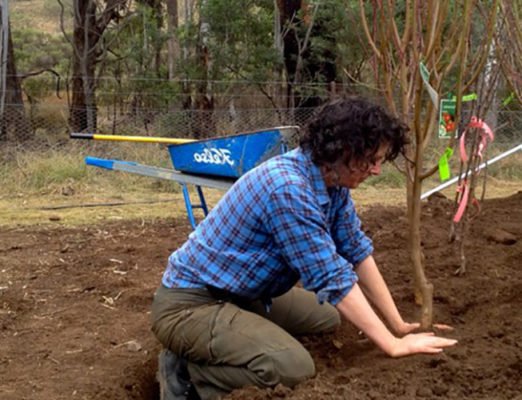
(463, 188)
(486, 134)
(462, 147)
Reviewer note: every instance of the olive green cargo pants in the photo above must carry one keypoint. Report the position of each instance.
(228, 347)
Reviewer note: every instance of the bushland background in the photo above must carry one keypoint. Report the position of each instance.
(183, 69)
(83, 249)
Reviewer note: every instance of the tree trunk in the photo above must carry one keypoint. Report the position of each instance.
(204, 124)
(173, 42)
(287, 11)
(157, 11)
(186, 87)
(423, 290)
(82, 116)
(15, 125)
(88, 31)
(281, 87)
(299, 60)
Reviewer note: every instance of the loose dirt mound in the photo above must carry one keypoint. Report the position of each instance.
(74, 312)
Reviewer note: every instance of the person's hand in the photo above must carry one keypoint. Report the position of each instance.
(444, 327)
(415, 343)
(403, 328)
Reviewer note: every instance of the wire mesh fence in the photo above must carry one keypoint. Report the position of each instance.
(51, 122)
(178, 109)
(40, 126)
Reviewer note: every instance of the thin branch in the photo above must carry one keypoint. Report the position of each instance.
(109, 14)
(41, 71)
(432, 34)
(361, 83)
(406, 35)
(395, 32)
(62, 25)
(367, 31)
(485, 54)
(258, 84)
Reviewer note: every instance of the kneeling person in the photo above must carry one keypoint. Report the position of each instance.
(228, 310)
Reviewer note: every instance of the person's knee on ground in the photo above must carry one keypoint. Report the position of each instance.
(288, 367)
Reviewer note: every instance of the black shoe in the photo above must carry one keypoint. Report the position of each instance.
(173, 378)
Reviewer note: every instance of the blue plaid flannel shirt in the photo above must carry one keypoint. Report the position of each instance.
(278, 224)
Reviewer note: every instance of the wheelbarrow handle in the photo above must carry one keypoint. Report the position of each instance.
(121, 138)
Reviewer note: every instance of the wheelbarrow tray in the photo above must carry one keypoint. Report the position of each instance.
(231, 156)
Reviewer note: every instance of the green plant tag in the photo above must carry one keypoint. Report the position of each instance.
(444, 168)
(508, 99)
(467, 97)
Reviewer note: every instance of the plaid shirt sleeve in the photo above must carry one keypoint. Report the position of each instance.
(352, 243)
(301, 233)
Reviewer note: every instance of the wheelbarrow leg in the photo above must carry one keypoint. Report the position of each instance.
(202, 201)
(190, 207)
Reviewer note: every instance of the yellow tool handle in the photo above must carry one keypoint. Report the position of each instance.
(121, 138)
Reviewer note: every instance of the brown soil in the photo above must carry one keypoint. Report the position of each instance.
(75, 302)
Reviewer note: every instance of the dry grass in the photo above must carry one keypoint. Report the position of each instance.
(41, 15)
(78, 209)
(55, 187)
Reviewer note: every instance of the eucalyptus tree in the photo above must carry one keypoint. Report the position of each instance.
(136, 57)
(226, 49)
(321, 50)
(295, 53)
(173, 41)
(91, 19)
(14, 123)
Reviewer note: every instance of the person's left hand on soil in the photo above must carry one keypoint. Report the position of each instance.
(424, 342)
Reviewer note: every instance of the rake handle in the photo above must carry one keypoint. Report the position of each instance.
(121, 138)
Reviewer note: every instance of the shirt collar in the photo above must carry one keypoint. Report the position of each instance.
(316, 179)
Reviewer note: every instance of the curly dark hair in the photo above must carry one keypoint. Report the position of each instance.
(353, 129)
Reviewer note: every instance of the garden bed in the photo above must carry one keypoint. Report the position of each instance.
(74, 316)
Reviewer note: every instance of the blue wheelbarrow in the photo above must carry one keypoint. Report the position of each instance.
(215, 163)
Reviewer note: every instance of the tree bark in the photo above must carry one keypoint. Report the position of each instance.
(288, 10)
(83, 68)
(281, 87)
(204, 124)
(295, 19)
(15, 125)
(157, 12)
(173, 42)
(88, 31)
(423, 290)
